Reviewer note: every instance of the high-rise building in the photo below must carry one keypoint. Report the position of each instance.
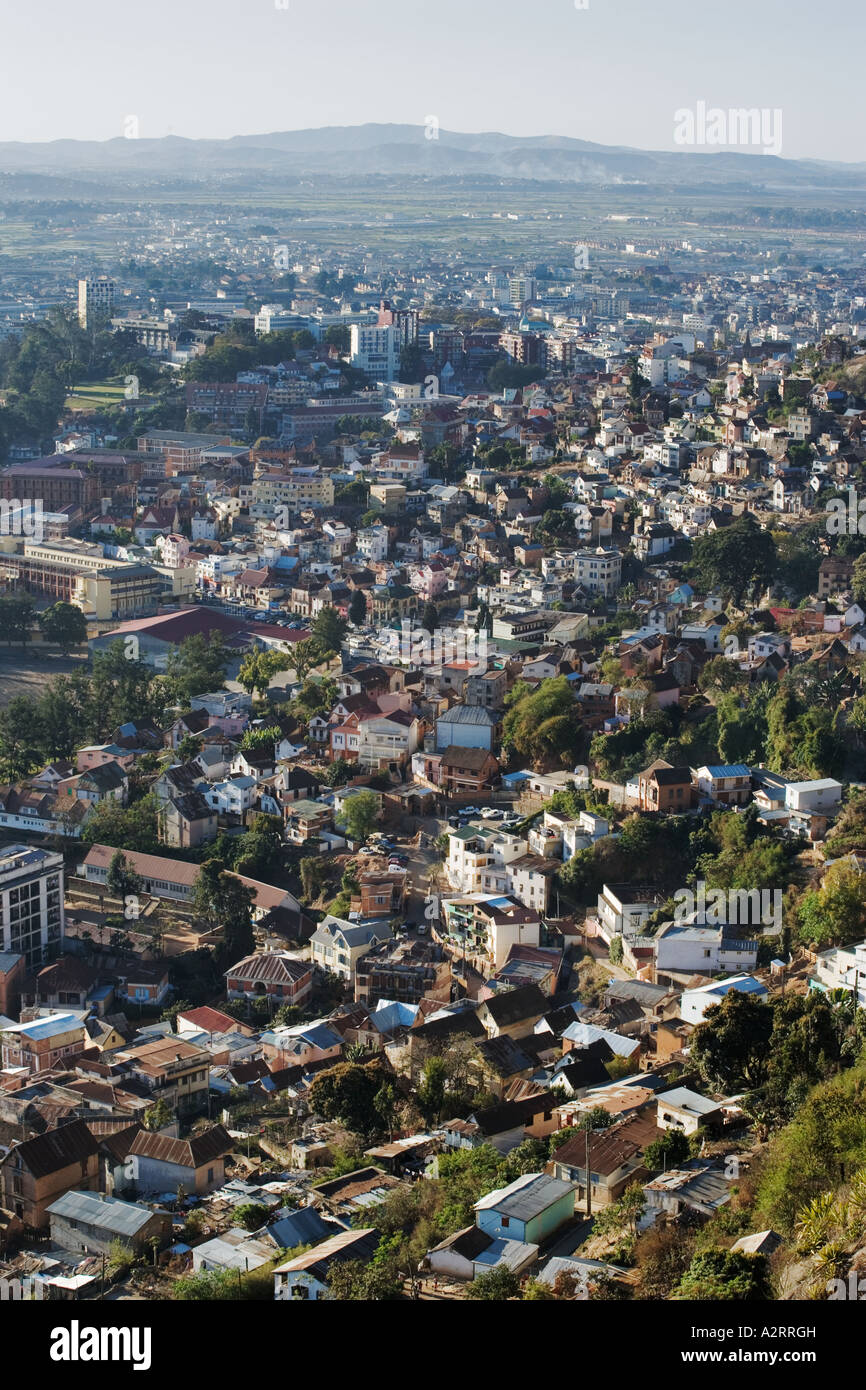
(404, 321)
(522, 289)
(375, 351)
(31, 903)
(95, 297)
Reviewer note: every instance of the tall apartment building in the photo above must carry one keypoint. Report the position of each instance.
(405, 321)
(529, 349)
(375, 350)
(95, 297)
(228, 403)
(521, 289)
(31, 902)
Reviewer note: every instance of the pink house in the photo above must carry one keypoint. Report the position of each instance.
(301, 1046)
(232, 725)
(97, 754)
(175, 549)
(429, 580)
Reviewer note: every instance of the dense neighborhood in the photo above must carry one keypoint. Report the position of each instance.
(432, 739)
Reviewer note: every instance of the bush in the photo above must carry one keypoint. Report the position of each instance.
(251, 1215)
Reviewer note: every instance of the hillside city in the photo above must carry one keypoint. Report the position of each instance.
(432, 753)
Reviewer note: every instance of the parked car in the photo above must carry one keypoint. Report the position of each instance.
(491, 813)
(423, 929)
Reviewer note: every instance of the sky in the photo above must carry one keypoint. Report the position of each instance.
(614, 72)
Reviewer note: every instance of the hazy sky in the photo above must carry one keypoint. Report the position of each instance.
(614, 72)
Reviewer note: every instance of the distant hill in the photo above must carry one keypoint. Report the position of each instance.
(404, 150)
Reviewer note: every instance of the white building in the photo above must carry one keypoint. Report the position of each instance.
(842, 967)
(375, 351)
(31, 903)
(95, 296)
(821, 796)
(695, 1002)
(688, 949)
(599, 571)
(622, 910)
(372, 543)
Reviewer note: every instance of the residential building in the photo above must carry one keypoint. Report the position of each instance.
(96, 1224)
(95, 298)
(337, 946)
(172, 1070)
(33, 1174)
(275, 975)
(31, 902)
(529, 1210)
(306, 1276)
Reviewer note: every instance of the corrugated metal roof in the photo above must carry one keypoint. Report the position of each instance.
(527, 1197)
(108, 1213)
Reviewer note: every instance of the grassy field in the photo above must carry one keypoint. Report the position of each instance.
(95, 395)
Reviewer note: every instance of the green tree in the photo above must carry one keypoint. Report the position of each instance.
(251, 1215)
(339, 772)
(330, 629)
(725, 1275)
(198, 666)
(258, 669)
(16, 618)
(731, 1047)
(354, 1281)
(223, 901)
(360, 814)
(159, 1115)
(358, 608)
(667, 1152)
(261, 849)
(120, 690)
(544, 725)
(188, 748)
(496, 1285)
(835, 913)
(133, 827)
(347, 1092)
(261, 740)
(65, 624)
(740, 559)
(21, 738)
(385, 1103)
(121, 877)
(431, 1089)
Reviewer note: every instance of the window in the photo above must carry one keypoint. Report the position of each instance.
(505, 1221)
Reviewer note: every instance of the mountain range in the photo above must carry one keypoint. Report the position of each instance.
(404, 151)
